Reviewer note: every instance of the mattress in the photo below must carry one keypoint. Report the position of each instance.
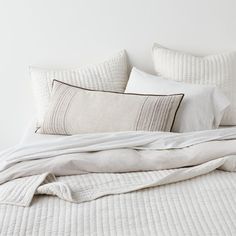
(204, 205)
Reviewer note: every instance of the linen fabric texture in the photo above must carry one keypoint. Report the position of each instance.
(75, 110)
(201, 109)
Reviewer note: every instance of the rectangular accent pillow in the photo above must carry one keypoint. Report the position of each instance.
(75, 110)
(201, 109)
(110, 75)
(218, 70)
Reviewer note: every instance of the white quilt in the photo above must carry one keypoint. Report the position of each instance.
(127, 183)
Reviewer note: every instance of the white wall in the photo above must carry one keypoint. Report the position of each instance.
(76, 32)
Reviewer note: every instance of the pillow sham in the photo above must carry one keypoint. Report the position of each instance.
(202, 107)
(110, 75)
(218, 70)
(75, 110)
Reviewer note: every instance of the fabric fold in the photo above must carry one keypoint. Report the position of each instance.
(87, 167)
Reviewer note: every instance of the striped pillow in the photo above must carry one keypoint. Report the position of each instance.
(218, 70)
(74, 110)
(110, 75)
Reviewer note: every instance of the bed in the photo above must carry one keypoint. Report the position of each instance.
(89, 167)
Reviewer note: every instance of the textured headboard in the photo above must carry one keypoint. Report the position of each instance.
(77, 32)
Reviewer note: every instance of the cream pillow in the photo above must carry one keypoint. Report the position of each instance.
(218, 70)
(110, 75)
(201, 109)
(74, 110)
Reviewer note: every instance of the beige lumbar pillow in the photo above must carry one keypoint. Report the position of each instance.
(110, 75)
(218, 70)
(75, 110)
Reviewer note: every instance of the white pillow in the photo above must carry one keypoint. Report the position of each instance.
(218, 70)
(202, 107)
(110, 75)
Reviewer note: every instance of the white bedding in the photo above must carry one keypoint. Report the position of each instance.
(203, 204)
(30, 136)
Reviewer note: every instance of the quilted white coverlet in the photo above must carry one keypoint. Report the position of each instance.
(147, 167)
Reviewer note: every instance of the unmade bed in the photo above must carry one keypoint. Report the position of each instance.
(119, 153)
(160, 184)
